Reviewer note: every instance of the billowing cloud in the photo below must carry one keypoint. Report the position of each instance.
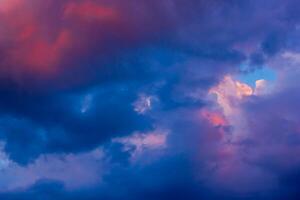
(149, 99)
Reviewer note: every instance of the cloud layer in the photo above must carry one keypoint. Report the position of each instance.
(148, 99)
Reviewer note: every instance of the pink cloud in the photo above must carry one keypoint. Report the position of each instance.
(47, 40)
(90, 10)
(143, 142)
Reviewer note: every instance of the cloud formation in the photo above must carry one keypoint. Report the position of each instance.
(148, 99)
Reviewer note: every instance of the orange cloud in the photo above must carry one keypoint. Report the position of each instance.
(214, 118)
(243, 89)
(229, 92)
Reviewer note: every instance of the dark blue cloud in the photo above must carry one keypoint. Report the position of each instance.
(56, 123)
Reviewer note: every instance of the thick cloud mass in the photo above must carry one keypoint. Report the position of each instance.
(140, 99)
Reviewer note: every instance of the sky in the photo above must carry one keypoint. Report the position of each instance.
(149, 99)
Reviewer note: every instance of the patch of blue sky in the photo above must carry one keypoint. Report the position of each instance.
(264, 72)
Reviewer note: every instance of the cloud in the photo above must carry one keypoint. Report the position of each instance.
(48, 124)
(139, 143)
(89, 10)
(144, 103)
(153, 85)
(73, 171)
